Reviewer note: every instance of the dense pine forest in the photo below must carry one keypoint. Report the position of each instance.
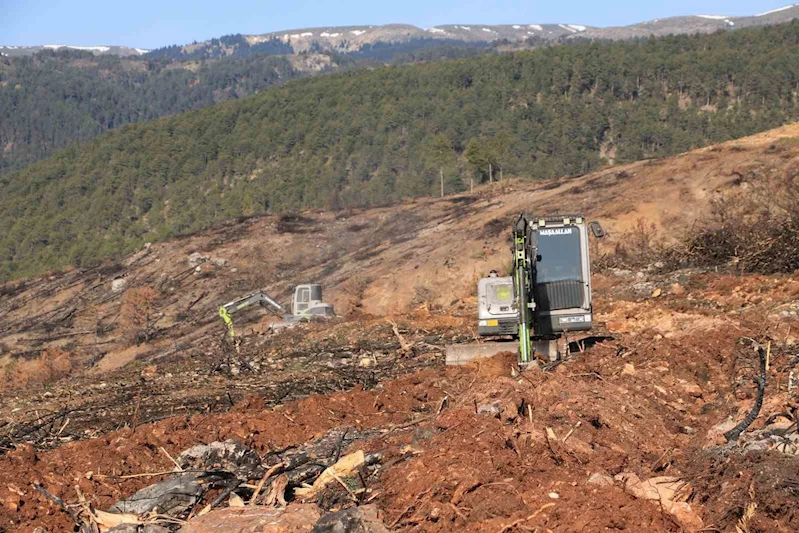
(372, 137)
(52, 99)
(56, 98)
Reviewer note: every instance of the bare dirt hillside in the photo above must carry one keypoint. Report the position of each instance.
(113, 371)
(379, 262)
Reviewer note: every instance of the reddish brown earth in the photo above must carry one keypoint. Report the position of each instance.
(475, 472)
(646, 403)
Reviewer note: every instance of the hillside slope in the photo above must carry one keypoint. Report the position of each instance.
(376, 261)
(59, 97)
(55, 99)
(652, 402)
(374, 137)
(74, 93)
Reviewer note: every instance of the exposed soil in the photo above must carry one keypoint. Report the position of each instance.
(651, 402)
(379, 261)
(645, 403)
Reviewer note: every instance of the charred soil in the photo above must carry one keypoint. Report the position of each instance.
(130, 380)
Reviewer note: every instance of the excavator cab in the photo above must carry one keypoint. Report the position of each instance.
(562, 275)
(308, 302)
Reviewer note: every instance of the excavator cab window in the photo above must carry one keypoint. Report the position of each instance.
(303, 299)
(560, 253)
(559, 273)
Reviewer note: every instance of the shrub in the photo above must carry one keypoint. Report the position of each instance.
(136, 314)
(51, 365)
(754, 228)
(634, 249)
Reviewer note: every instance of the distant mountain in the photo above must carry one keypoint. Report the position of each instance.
(353, 39)
(121, 51)
(55, 95)
(694, 24)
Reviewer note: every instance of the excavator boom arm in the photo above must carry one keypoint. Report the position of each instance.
(523, 278)
(258, 297)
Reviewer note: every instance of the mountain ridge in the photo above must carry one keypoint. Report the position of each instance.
(116, 50)
(353, 38)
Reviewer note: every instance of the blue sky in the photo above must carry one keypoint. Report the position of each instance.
(154, 23)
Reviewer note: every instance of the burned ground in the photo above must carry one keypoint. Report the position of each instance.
(478, 448)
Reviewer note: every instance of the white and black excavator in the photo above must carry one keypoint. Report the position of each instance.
(546, 297)
(307, 304)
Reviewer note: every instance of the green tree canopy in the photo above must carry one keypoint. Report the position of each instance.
(372, 137)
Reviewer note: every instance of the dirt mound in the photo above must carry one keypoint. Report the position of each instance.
(500, 365)
(474, 449)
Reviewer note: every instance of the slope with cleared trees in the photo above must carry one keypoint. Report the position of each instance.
(373, 137)
(108, 374)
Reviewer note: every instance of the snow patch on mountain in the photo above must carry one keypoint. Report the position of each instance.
(100, 49)
(776, 10)
(403, 32)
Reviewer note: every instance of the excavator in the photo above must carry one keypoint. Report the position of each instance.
(546, 297)
(307, 305)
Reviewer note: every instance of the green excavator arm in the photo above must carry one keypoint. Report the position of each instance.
(257, 297)
(523, 279)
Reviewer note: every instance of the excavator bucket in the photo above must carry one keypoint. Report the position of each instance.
(543, 350)
(461, 354)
